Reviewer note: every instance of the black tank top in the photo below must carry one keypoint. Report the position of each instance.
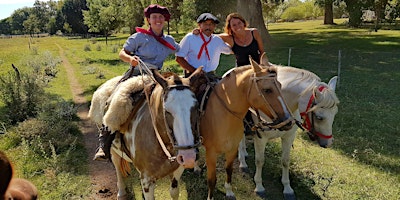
(242, 52)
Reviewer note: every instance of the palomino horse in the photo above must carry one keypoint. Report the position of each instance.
(308, 97)
(14, 188)
(221, 124)
(164, 123)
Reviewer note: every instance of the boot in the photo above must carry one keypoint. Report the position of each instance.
(248, 123)
(101, 153)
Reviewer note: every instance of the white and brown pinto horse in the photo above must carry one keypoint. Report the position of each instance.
(221, 124)
(14, 188)
(308, 98)
(162, 134)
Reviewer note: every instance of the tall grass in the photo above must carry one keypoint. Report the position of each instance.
(364, 161)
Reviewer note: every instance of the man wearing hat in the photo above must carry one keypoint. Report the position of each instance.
(203, 49)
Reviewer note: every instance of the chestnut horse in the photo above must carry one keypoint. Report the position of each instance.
(162, 134)
(14, 188)
(307, 97)
(221, 124)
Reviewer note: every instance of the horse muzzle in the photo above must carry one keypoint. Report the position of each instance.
(282, 125)
(186, 158)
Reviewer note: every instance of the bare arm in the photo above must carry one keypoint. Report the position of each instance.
(126, 57)
(184, 64)
(258, 38)
(226, 38)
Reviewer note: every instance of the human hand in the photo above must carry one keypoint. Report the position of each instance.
(196, 31)
(134, 61)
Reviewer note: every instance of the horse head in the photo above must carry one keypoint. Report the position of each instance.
(178, 111)
(321, 113)
(14, 188)
(267, 96)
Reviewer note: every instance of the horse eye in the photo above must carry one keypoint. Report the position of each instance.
(320, 118)
(268, 91)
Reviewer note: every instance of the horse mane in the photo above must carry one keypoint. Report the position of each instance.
(329, 99)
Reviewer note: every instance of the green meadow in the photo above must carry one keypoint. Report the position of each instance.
(362, 163)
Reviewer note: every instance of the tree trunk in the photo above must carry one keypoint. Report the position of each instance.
(328, 16)
(251, 10)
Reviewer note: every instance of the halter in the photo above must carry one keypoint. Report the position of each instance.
(169, 131)
(308, 123)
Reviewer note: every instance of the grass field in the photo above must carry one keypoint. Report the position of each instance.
(364, 161)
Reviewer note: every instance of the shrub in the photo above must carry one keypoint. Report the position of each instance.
(22, 95)
(115, 48)
(87, 47)
(98, 47)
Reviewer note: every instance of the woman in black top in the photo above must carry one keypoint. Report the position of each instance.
(244, 41)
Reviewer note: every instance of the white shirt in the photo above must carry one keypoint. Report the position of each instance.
(190, 47)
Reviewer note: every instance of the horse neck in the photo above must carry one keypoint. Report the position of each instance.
(233, 91)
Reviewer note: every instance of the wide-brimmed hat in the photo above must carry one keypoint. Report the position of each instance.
(155, 8)
(207, 16)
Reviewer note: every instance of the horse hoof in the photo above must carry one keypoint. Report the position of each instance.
(262, 194)
(123, 197)
(230, 197)
(244, 170)
(289, 196)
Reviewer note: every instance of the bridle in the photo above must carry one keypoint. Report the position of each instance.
(168, 129)
(308, 123)
(261, 123)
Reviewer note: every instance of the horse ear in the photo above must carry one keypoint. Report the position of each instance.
(264, 60)
(332, 83)
(197, 78)
(159, 78)
(255, 65)
(317, 94)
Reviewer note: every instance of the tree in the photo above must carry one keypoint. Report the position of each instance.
(72, 10)
(328, 10)
(103, 16)
(5, 26)
(17, 20)
(251, 10)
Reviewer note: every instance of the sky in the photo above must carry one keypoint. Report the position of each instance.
(7, 7)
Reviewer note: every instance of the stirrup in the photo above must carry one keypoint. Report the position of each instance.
(100, 155)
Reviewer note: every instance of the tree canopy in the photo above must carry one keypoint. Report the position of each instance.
(108, 16)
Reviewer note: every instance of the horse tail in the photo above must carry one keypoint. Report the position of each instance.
(125, 167)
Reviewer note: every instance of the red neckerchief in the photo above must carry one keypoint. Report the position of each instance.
(158, 38)
(204, 46)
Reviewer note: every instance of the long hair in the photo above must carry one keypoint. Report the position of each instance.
(227, 28)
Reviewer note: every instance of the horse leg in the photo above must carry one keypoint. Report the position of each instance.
(229, 158)
(242, 156)
(148, 186)
(174, 190)
(259, 148)
(122, 195)
(211, 163)
(287, 142)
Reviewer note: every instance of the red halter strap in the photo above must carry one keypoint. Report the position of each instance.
(204, 46)
(307, 124)
(158, 38)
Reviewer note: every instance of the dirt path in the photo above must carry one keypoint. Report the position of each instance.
(102, 174)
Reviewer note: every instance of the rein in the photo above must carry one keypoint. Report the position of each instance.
(262, 122)
(169, 132)
(308, 123)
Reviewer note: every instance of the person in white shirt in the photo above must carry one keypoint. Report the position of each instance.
(203, 49)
